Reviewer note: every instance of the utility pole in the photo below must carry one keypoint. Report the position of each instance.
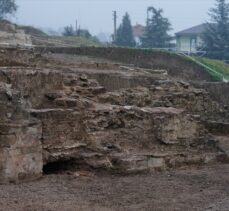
(76, 26)
(115, 25)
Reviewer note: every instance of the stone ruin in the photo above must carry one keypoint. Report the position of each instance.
(69, 118)
(13, 35)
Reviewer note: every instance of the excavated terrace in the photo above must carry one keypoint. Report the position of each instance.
(69, 112)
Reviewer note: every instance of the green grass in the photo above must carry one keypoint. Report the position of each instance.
(77, 41)
(218, 70)
(217, 65)
(32, 31)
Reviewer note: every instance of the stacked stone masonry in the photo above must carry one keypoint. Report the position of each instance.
(69, 112)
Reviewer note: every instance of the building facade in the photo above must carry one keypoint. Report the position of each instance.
(190, 40)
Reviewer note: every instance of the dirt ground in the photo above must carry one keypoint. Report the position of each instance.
(204, 188)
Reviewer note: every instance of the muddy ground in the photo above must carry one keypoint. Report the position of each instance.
(204, 188)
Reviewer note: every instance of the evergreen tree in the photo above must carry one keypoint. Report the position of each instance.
(157, 28)
(83, 33)
(216, 37)
(125, 33)
(7, 7)
(68, 31)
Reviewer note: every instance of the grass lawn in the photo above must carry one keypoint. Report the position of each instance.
(218, 66)
(77, 41)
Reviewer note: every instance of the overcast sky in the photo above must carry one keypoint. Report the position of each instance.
(96, 15)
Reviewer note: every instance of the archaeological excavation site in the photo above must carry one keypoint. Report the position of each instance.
(119, 111)
(114, 105)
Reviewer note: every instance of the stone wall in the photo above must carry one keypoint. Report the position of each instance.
(177, 66)
(20, 145)
(140, 129)
(61, 115)
(13, 39)
(12, 35)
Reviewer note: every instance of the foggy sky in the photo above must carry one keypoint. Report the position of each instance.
(96, 15)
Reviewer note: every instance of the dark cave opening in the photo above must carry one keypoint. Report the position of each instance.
(60, 166)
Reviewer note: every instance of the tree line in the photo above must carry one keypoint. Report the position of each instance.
(156, 32)
(216, 37)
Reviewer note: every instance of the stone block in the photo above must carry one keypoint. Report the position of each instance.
(156, 163)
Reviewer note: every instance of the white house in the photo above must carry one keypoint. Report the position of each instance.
(189, 40)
